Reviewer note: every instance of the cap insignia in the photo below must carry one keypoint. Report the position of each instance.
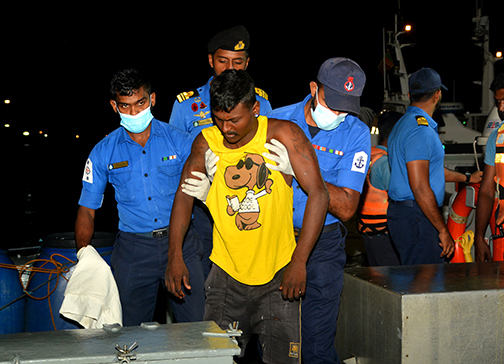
(240, 46)
(349, 85)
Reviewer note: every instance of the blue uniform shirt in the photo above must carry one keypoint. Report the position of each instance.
(145, 179)
(379, 174)
(343, 155)
(191, 111)
(410, 141)
(491, 148)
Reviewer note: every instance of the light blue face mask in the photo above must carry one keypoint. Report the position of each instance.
(136, 123)
(325, 118)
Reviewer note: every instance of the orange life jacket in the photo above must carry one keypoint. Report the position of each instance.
(372, 214)
(499, 174)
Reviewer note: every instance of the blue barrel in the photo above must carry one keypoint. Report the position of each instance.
(12, 303)
(38, 312)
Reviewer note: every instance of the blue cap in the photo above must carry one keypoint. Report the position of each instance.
(424, 80)
(343, 81)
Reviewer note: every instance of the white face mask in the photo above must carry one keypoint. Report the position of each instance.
(325, 118)
(136, 123)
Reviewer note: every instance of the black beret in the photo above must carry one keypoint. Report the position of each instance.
(233, 39)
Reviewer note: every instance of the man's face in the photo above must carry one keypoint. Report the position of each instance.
(223, 60)
(132, 105)
(499, 102)
(238, 126)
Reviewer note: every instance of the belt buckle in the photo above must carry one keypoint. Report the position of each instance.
(297, 232)
(159, 233)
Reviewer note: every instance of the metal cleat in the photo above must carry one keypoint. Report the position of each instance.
(126, 354)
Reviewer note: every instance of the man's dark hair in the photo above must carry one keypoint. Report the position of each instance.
(386, 122)
(422, 97)
(231, 88)
(127, 81)
(497, 83)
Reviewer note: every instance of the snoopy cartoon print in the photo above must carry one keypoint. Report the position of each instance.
(246, 174)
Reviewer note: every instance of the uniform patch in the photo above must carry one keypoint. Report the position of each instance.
(359, 162)
(117, 165)
(261, 93)
(422, 121)
(294, 350)
(88, 172)
(169, 158)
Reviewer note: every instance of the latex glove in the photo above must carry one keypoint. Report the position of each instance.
(282, 158)
(197, 187)
(211, 160)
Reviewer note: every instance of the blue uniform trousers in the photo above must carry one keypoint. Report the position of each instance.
(320, 306)
(414, 236)
(139, 265)
(203, 224)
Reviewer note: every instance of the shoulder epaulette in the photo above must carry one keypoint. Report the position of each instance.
(187, 95)
(261, 93)
(421, 120)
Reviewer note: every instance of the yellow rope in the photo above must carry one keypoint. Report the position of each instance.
(465, 241)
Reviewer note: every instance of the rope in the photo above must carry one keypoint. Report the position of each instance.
(465, 241)
(58, 271)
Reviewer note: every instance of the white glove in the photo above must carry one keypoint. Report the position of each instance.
(197, 188)
(282, 159)
(211, 160)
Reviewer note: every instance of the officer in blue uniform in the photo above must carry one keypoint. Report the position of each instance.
(228, 49)
(418, 175)
(142, 160)
(343, 146)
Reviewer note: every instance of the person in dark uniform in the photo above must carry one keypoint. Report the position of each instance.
(418, 175)
(143, 160)
(228, 49)
(342, 142)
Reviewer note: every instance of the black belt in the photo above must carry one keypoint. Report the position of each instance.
(158, 233)
(325, 229)
(408, 203)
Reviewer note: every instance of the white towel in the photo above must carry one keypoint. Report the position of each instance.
(91, 296)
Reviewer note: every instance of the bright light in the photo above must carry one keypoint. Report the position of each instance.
(498, 54)
(407, 28)
(26, 133)
(77, 136)
(45, 135)
(6, 101)
(40, 132)
(7, 125)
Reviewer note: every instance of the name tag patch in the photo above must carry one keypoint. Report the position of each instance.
(118, 165)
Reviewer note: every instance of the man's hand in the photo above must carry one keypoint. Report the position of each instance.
(282, 160)
(294, 281)
(195, 187)
(482, 251)
(476, 177)
(447, 243)
(176, 274)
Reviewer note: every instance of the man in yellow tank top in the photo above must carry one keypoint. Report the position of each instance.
(259, 271)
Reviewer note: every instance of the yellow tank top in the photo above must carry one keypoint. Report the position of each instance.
(253, 236)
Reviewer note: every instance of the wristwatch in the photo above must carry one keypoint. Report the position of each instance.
(468, 178)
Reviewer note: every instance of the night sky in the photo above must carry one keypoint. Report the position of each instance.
(56, 64)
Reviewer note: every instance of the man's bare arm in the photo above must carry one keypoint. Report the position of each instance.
(418, 175)
(484, 208)
(305, 165)
(176, 271)
(84, 226)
